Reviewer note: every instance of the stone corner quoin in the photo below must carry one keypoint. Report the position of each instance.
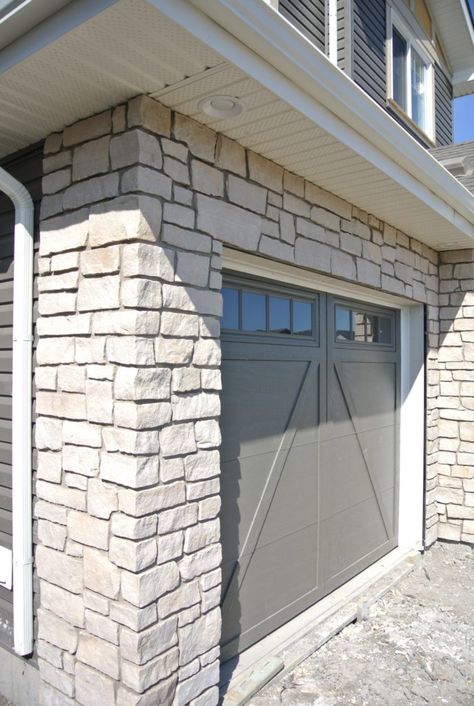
(138, 203)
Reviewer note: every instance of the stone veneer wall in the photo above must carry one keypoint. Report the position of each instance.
(137, 204)
(455, 495)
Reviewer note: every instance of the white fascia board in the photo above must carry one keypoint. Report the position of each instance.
(254, 37)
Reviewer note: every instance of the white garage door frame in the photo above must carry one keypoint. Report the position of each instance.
(412, 411)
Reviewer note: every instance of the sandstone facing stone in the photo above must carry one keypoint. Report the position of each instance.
(131, 217)
(227, 222)
(100, 575)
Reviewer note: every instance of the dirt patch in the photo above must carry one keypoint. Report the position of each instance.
(415, 648)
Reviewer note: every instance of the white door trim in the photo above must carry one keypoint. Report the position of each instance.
(412, 408)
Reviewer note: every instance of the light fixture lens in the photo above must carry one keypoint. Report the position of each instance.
(221, 106)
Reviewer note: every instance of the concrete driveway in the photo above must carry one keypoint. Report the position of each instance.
(415, 648)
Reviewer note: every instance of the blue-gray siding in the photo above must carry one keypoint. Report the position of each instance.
(309, 16)
(27, 167)
(368, 48)
(443, 108)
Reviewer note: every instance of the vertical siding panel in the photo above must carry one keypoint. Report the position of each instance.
(309, 16)
(443, 108)
(368, 51)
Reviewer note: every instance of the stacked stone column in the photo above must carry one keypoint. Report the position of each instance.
(127, 433)
(455, 494)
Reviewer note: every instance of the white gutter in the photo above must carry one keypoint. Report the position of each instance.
(257, 39)
(21, 413)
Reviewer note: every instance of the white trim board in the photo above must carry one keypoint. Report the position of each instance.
(412, 407)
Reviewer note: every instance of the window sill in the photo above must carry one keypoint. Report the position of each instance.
(393, 105)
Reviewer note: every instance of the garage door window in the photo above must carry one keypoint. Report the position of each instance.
(260, 312)
(362, 327)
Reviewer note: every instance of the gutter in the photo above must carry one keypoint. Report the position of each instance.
(21, 413)
(253, 36)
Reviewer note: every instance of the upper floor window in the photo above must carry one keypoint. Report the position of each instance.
(410, 84)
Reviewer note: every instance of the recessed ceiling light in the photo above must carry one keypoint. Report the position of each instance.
(221, 106)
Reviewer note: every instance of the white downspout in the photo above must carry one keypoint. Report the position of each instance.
(21, 413)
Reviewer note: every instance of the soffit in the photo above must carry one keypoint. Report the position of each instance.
(131, 48)
(454, 25)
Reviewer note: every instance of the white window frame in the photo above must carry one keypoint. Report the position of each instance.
(394, 20)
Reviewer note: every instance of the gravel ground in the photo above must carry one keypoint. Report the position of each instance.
(415, 648)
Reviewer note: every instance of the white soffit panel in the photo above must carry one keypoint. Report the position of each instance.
(132, 48)
(454, 26)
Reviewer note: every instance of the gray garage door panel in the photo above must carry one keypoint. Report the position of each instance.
(309, 468)
(270, 499)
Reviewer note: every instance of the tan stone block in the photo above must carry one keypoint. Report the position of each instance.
(81, 459)
(99, 293)
(186, 239)
(90, 683)
(60, 569)
(137, 619)
(130, 471)
(63, 233)
(102, 627)
(61, 495)
(88, 129)
(293, 183)
(197, 406)
(95, 189)
(65, 605)
(130, 217)
(200, 636)
(100, 575)
(313, 254)
(199, 138)
(53, 143)
(144, 502)
(177, 439)
(130, 350)
(91, 158)
(247, 195)
(135, 146)
(265, 172)
(139, 648)
(141, 678)
(56, 631)
(53, 303)
(100, 261)
(56, 181)
(132, 527)
(88, 530)
(132, 555)
(460, 512)
(146, 415)
(146, 587)
(148, 113)
(230, 156)
(144, 260)
(227, 222)
(131, 441)
(102, 499)
(51, 535)
(146, 180)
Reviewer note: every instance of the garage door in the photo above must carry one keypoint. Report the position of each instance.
(309, 453)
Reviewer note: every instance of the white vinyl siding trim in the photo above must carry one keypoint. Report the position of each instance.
(394, 21)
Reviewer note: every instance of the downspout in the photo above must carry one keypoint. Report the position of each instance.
(21, 413)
